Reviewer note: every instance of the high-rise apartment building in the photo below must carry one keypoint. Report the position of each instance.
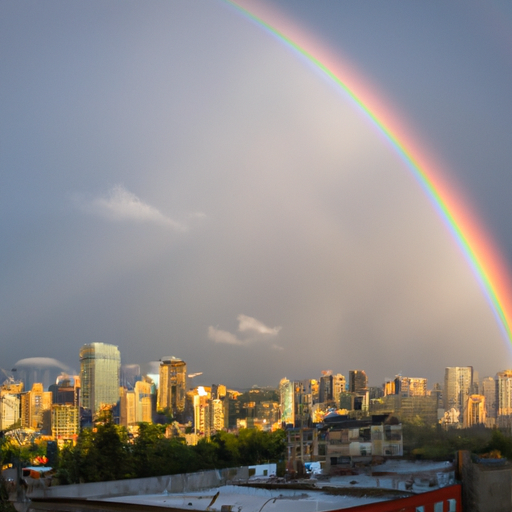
(135, 405)
(65, 422)
(338, 387)
(214, 416)
(406, 386)
(66, 391)
(100, 364)
(172, 387)
(200, 399)
(287, 401)
(504, 393)
(9, 410)
(10, 403)
(326, 389)
(488, 386)
(474, 411)
(357, 381)
(458, 385)
(296, 401)
(33, 405)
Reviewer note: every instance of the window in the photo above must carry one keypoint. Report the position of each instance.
(421, 508)
(452, 505)
(438, 507)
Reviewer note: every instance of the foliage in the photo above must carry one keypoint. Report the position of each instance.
(165, 416)
(434, 442)
(107, 453)
(500, 443)
(5, 504)
(101, 454)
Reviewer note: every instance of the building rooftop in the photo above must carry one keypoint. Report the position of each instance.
(248, 499)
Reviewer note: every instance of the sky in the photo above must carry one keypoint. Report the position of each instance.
(177, 181)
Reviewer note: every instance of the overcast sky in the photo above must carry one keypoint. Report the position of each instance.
(176, 181)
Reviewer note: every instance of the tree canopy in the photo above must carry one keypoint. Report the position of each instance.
(108, 453)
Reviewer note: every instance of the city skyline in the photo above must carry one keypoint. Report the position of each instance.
(32, 369)
(179, 182)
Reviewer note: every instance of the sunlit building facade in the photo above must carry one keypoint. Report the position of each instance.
(214, 416)
(135, 406)
(33, 405)
(504, 393)
(100, 365)
(172, 387)
(474, 411)
(339, 385)
(9, 410)
(406, 386)
(200, 399)
(65, 423)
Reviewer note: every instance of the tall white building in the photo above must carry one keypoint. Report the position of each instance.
(100, 365)
(458, 385)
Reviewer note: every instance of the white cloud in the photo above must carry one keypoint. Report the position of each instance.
(43, 362)
(220, 336)
(123, 205)
(247, 323)
(253, 330)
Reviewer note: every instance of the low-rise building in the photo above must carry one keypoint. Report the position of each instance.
(348, 439)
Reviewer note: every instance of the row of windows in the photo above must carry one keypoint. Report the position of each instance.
(439, 506)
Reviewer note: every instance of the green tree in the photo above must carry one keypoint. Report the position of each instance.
(145, 447)
(500, 442)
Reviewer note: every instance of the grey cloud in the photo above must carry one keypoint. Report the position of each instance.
(313, 222)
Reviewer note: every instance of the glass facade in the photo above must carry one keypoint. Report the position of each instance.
(100, 364)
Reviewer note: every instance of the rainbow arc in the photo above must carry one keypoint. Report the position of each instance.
(479, 251)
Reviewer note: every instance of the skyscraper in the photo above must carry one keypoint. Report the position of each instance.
(338, 387)
(357, 381)
(173, 385)
(504, 393)
(474, 412)
(458, 384)
(489, 391)
(326, 388)
(33, 405)
(99, 375)
(287, 401)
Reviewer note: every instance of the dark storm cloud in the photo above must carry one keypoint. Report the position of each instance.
(219, 186)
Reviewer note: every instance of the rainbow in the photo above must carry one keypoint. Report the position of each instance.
(479, 251)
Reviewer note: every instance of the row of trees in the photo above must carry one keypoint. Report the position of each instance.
(432, 442)
(108, 453)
